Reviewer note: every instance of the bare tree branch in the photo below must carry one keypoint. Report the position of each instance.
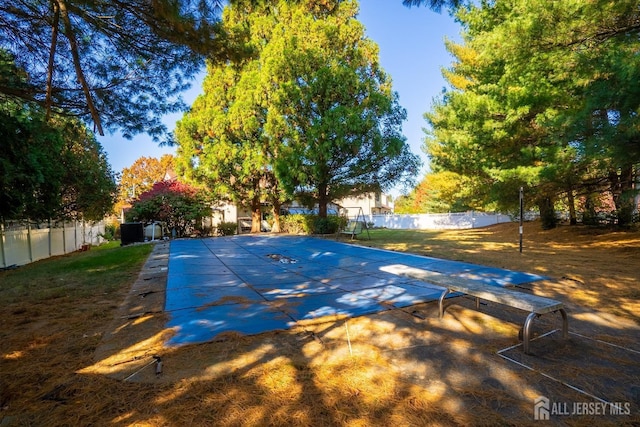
(52, 53)
(76, 62)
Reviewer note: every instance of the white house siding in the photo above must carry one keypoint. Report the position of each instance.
(370, 203)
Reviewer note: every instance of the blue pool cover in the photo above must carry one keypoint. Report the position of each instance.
(251, 284)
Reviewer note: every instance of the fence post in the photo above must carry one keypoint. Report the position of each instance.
(50, 236)
(521, 215)
(29, 240)
(4, 259)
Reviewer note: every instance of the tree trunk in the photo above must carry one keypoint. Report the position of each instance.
(256, 216)
(274, 196)
(73, 45)
(589, 215)
(571, 201)
(323, 200)
(52, 54)
(275, 228)
(623, 197)
(547, 213)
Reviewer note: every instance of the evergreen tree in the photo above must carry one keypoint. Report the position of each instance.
(310, 113)
(542, 98)
(119, 64)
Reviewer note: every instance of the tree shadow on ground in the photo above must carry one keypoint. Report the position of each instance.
(401, 366)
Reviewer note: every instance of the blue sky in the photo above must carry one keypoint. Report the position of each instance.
(412, 51)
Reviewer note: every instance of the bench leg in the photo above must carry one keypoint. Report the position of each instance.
(441, 303)
(526, 332)
(565, 324)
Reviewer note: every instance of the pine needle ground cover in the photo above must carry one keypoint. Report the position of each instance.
(402, 367)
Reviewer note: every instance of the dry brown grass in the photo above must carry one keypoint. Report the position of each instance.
(595, 268)
(57, 366)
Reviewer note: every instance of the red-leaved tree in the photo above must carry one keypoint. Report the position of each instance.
(179, 205)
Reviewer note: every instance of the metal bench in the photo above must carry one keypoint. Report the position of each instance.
(535, 305)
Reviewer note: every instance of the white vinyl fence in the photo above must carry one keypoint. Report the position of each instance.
(438, 221)
(22, 243)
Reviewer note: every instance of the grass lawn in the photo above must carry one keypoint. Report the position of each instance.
(104, 269)
(393, 368)
(598, 266)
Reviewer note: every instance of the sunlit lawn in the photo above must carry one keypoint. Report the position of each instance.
(103, 269)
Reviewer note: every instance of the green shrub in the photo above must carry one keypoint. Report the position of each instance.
(296, 224)
(548, 217)
(311, 224)
(548, 220)
(329, 225)
(322, 226)
(227, 228)
(109, 231)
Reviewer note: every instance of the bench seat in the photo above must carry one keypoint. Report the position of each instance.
(534, 304)
(353, 228)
